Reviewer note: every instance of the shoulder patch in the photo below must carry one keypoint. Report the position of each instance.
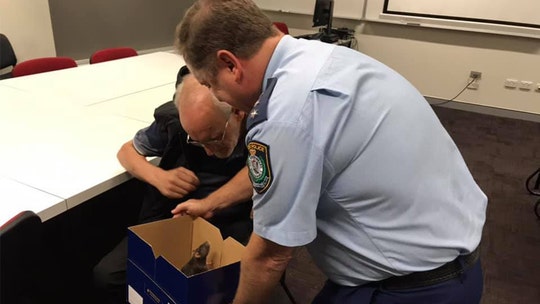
(258, 162)
(259, 112)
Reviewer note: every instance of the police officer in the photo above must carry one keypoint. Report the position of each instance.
(346, 157)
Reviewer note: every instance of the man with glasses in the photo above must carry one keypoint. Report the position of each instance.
(199, 165)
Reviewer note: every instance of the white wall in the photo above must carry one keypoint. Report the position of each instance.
(27, 24)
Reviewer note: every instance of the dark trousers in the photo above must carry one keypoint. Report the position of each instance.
(464, 289)
(110, 275)
(110, 272)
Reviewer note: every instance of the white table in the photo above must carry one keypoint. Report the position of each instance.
(67, 152)
(62, 129)
(139, 106)
(17, 197)
(95, 83)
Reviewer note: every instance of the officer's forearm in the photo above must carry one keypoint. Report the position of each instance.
(235, 191)
(262, 266)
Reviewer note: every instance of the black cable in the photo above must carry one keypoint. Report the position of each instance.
(449, 100)
(533, 190)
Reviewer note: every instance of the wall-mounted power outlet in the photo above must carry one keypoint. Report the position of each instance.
(474, 79)
(525, 85)
(475, 75)
(511, 83)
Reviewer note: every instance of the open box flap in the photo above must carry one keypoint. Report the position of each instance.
(169, 238)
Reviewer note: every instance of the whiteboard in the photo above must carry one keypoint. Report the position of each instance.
(516, 12)
(350, 9)
(509, 17)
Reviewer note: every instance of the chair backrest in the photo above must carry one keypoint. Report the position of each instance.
(7, 56)
(282, 27)
(41, 65)
(112, 54)
(20, 262)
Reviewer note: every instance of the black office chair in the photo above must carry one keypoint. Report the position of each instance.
(7, 56)
(20, 264)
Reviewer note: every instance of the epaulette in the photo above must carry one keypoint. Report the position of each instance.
(259, 112)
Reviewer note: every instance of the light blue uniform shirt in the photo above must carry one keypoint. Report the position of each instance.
(349, 158)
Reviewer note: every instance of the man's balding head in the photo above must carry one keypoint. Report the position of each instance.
(209, 122)
(199, 110)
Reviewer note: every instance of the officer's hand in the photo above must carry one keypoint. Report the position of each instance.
(176, 183)
(195, 208)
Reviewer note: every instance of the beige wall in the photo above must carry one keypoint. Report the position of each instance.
(438, 61)
(81, 26)
(27, 24)
(76, 28)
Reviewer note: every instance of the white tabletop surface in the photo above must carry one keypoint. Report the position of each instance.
(61, 130)
(17, 197)
(68, 152)
(94, 83)
(139, 106)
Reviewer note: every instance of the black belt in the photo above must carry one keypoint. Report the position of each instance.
(443, 273)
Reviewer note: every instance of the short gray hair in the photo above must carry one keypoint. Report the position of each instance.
(238, 26)
(220, 106)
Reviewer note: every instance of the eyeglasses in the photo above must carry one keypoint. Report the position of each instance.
(202, 144)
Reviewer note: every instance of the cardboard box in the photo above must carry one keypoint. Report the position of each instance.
(158, 250)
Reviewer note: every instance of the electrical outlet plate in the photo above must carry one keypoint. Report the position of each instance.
(525, 85)
(511, 83)
(474, 78)
(473, 85)
(475, 74)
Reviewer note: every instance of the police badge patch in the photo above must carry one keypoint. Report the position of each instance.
(258, 163)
